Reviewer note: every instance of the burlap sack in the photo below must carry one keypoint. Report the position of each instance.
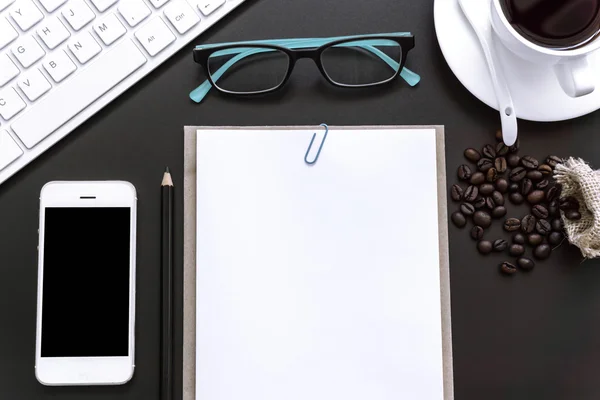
(583, 183)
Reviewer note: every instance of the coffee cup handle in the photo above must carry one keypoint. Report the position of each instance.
(575, 77)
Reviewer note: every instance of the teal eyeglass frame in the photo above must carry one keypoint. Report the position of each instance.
(296, 49)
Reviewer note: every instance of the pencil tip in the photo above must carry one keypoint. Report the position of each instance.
(167, 179)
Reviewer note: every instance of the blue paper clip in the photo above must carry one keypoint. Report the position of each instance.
(320, 147)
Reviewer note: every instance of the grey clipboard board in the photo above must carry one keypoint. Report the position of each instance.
(189, 253)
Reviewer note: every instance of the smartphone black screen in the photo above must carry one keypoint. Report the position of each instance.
(85, 301)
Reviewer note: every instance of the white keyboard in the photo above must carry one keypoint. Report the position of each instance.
(63, 60)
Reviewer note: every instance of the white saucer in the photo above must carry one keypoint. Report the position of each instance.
(536, 94)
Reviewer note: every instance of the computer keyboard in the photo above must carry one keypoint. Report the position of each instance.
(63, 60)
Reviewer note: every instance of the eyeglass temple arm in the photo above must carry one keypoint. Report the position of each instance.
(313, 41)
(200, 92)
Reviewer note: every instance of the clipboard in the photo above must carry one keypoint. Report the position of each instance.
(189, 339)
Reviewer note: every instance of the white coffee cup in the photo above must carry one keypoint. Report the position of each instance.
(571, 66)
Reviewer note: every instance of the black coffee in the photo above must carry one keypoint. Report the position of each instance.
(558, 24)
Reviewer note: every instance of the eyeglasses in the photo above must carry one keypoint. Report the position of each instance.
(263, 66)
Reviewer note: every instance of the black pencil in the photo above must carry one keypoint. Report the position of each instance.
(166, 337)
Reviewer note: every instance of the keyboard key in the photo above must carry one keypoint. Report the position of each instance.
(156, 3)
(53, 32)
(181, 16)
(155, 36)
(51, 5)
(8, 70)
(10, 103)
(26, 14)
(59, 65)
(27, 51)
(98, 78)
(110, 29)
(103, 5)
(207, 7)
(78, 14)
(5, 3)
(84, 47)
(9, 150)
(7, 32)
(33, 84)
(134, 11)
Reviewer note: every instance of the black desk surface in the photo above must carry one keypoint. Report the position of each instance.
(534, 336)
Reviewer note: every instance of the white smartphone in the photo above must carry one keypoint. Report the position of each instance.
(86, 283)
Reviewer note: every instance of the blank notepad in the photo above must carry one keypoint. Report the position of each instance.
(318, 282)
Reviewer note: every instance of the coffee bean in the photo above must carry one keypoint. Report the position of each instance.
(467, 209)
(499, 245)
(535, 175)
(499, 212)
(568, 203)
(555, 238)
(501, 149)
(535, 197)
(500, 164)
(543, 227)
(512, 224)
(529, 162)
(539, 211)
(553, 207)
(516, 250)
(513, 187)
(535, 239)
(554, 192)
(516, 198)
(456, 193)
(488, 151)
(542, 251)
(491, 175)
(528, 223)
(471, 193)
(526, 186)
(459, 219)
(486, 189)
(498, 198)
(557, 225)
(518, 238)
(543, 184)
(512, 160)
(479, 202)
(484, 164)
(489, 203)
(477, 178)
(464, 172)
(508, 268)
(502, 185)
(482, 219)
(499, 135)
(553, 161)
(516, 174)
(477, 233)
(545, 169)
(572, 215)
(515, 147)
(472, 155)
(525, 263)
(484, 246)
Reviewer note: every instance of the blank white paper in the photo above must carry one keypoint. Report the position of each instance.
(318, 282)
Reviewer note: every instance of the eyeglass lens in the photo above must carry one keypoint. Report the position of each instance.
(362, 62)
(248, 69)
